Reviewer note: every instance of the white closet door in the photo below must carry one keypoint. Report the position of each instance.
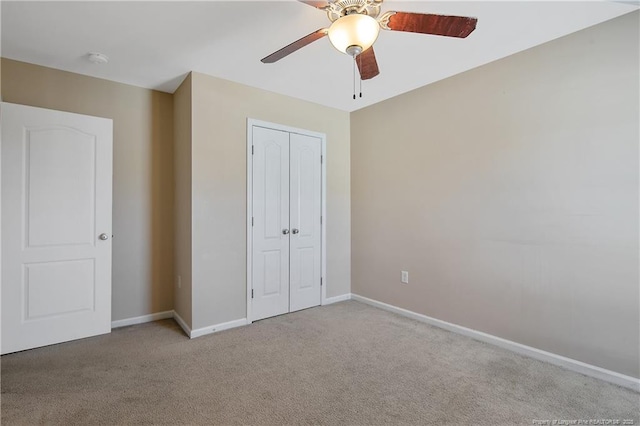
(56, 226)
(306, 230)
(270, 269)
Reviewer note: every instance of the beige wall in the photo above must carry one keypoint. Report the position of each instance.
(510, 194)
(142, 174)
(183, 229)
(220, 112)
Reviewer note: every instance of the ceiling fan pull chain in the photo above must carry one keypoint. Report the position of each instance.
(360, 75)
(354, 78)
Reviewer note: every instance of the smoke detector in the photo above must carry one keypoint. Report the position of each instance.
(98, 58)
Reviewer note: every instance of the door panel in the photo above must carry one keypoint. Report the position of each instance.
(61, 185)
(56, 200)
(305, 212)
(47, 285)
(273, 282)
(270, 199)
(306, 258)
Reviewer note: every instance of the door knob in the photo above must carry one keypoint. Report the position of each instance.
(295, 231)
(285, 231)
(103, 237)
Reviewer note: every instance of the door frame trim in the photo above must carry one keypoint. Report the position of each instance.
(251, 122)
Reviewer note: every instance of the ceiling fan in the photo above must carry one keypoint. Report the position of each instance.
(356, 25)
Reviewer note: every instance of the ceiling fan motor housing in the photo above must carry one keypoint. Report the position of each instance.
(340, 8)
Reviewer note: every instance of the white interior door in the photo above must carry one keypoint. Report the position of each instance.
(56, 226)
(306, 229)
(270, 231)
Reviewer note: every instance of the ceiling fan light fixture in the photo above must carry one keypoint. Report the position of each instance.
(354, 31)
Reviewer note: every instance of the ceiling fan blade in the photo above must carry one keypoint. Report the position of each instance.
(320, 4)
(367, 64)
(443, 25)
(298, 44)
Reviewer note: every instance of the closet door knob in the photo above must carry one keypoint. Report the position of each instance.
(295, 231)
(285, 231)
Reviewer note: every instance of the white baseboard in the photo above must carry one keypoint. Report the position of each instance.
(568, 363)
(182, 323)
(142, 319)
(217, 327)
(336, 299)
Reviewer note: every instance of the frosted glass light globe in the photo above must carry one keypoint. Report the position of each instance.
(354, 30)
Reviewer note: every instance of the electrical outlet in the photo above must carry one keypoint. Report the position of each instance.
(404, 277)
(179, 281)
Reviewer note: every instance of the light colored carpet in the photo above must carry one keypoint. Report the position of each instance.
(346, 363)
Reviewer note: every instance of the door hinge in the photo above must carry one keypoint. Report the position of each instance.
(320, 220)
(321, 159)
(320, 281)
(252, 293)
(251, 220)
(251, 149)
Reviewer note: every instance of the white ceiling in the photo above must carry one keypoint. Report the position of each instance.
(154, 44)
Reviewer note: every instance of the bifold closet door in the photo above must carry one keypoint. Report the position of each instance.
(286, 231)
(270, 254)
(306, 229)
